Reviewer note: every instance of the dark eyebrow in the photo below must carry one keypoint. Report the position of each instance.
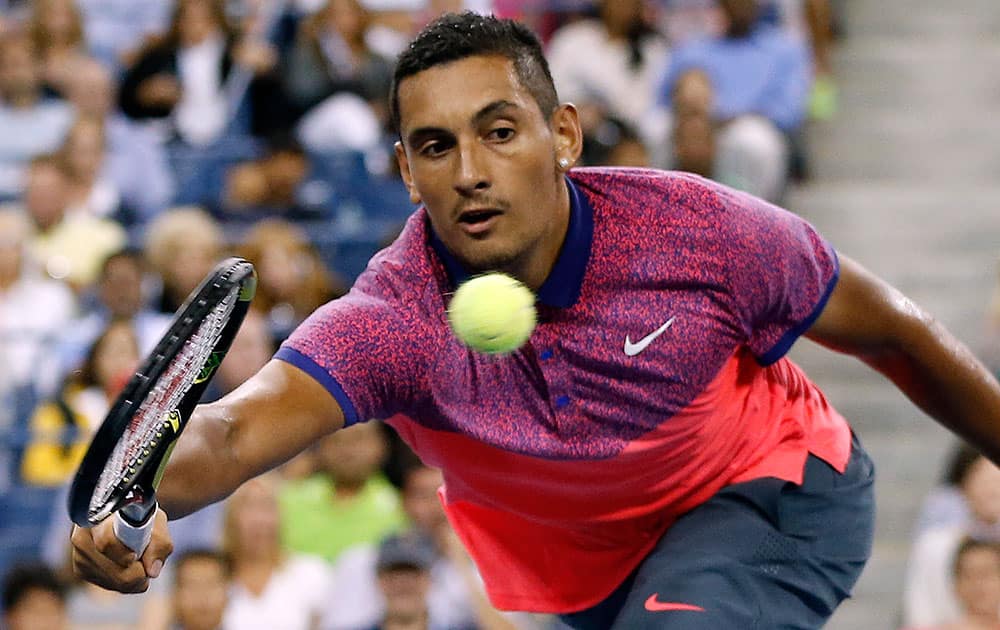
(421, 133)
(491, 109)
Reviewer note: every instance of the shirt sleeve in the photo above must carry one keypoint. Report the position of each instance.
(781, 272)
(365, 349)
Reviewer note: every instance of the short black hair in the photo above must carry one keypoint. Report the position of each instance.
(27, 577)
(455, 36)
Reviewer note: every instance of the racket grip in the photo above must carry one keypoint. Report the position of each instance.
(135, 536)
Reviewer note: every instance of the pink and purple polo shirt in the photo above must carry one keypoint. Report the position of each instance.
(654, 378)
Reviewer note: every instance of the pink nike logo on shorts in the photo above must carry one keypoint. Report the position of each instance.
(654, 605)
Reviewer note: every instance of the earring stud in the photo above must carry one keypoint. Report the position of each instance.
(563, 163)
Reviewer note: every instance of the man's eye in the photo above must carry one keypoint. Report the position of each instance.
(434, 148)
(501, 134)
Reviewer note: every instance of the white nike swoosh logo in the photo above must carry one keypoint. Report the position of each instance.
(632, 349)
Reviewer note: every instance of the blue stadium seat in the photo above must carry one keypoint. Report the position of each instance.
(25, 512)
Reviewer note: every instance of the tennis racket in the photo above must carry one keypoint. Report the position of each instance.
(126, 458)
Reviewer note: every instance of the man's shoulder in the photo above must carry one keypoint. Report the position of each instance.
(401, 273)
(647, 191)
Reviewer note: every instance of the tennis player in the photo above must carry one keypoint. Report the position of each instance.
(649, 458)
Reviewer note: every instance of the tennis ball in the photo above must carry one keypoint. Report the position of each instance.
(492, 313)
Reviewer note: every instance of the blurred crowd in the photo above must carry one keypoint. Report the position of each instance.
(143, 141)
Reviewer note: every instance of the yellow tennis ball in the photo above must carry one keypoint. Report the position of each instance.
(492, 313)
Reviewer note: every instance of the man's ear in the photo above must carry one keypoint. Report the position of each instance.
(404, 171)
(568, 135)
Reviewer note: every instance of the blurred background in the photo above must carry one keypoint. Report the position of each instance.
(142, 141)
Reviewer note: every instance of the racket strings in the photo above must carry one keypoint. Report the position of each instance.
(184, 369)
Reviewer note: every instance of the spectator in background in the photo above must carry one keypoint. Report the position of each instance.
(182, 82)
(685, 21)
(91, 191)
(133, 158)
(976, 575)
(977, 585)
(945, 505)
(183, 245)
(61, 429)
(726, 153)
(454, 597)
(119, 297)
(330, 55)
(346, 503)
(270, 183)
(693, 143)
(609, 66)
(34, 599)
(270, 588)
(70, 247)
(91, 607)
(929, 594)
(201, 581)
(56, 30)
(30, 123)
(336, 82)
(294, 281)
(760, 78)
(403, 567)
(615, 143)
(34, 310)
(116, 30)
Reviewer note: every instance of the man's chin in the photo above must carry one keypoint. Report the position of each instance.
(482, 262)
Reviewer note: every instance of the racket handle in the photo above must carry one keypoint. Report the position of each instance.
(134, 535)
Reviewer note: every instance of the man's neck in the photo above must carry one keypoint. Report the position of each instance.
(537, 267)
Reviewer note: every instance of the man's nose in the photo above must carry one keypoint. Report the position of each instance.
(472, 175)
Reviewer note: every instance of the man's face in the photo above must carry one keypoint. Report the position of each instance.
(479, 154)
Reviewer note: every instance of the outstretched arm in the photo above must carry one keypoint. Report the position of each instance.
(876, 323)
(276, 414)
(272, 417)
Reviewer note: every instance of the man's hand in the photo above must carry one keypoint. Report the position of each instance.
(99, 557)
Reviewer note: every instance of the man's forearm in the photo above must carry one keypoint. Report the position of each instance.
(263, 423)
(201, 469)
(942, 376)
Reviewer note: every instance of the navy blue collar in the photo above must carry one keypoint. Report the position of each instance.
(562, 287)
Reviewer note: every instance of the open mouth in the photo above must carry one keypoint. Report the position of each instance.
(478, 221)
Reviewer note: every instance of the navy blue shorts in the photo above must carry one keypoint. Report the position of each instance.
(762, 554)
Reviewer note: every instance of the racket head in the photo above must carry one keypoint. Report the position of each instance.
(129, 450)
